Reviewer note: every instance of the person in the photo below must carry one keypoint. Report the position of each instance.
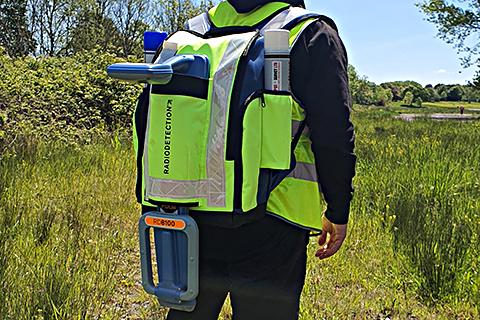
(259, 258)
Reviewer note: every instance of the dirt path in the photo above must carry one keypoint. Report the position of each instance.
(438, 116)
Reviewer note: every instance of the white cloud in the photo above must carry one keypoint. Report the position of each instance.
(442, 71)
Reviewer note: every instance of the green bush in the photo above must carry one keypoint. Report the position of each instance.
(67, 99)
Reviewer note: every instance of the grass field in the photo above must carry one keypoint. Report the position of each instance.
(436, 107)
(68, 242)
(452, 104)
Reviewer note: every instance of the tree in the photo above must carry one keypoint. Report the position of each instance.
(395, 90)
(51, 22)
(457, 21)
(63, 27)
(431, 94)
(94, 27)
(172, 15)
(408, 98)
(442, 91)
(455, 93)
(362, 91)
(354, 81)
(382, 97)
(14, 34)
(470, 93)
(418, 102)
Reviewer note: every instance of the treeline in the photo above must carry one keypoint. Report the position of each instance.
(410, 93)
(65, 27)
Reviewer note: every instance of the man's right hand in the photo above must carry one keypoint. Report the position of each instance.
(336, 234)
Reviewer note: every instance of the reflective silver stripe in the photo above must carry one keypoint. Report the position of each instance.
(176, 189)
(285, 17)
(145, 151)
(200, 24)
(295, 127)
(304, 171)
(222, 87)
(185, 36)
(306, 131)
(277, 22)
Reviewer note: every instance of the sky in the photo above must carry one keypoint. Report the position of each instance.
(389, 40)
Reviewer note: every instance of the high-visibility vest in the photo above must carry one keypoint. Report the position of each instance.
(186, 152)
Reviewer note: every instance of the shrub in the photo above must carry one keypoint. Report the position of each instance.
(67, 98)
(408, 99)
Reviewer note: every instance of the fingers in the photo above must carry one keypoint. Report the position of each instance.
(331, 248)
(323, 238)
(335, 234)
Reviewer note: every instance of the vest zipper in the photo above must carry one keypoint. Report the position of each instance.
(249, 44)
(261, 94)
(255, 95)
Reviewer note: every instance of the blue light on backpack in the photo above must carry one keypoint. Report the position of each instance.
(153, 39)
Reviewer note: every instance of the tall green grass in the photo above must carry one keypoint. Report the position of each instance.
(424, 181)
(68, 242)
(413, 246)
(63, 229)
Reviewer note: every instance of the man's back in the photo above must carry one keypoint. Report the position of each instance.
(248, 254)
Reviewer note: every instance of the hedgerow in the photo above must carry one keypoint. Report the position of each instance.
(69, 99)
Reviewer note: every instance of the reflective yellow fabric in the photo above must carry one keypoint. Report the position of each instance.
(251, 154)
(299, 202)
(298, 29)
(224, 15)
(276, 131)
(296, 200)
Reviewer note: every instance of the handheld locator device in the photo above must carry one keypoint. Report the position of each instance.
(176, 252)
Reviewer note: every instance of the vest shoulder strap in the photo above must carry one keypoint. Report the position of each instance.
(200, 24)
(286, 19)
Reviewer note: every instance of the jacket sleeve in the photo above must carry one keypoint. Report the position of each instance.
(320, 81)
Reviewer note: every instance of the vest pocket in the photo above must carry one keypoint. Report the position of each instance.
(266, 140)
(276, 130)
(251, 153)
(177, 139)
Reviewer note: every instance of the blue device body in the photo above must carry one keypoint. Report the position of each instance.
(191, 65)
(176, 250)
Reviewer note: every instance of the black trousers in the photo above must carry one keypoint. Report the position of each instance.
(261, 264)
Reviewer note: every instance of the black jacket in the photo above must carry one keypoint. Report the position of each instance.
(319, 80)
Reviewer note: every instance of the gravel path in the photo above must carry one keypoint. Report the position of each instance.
(438, 116)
